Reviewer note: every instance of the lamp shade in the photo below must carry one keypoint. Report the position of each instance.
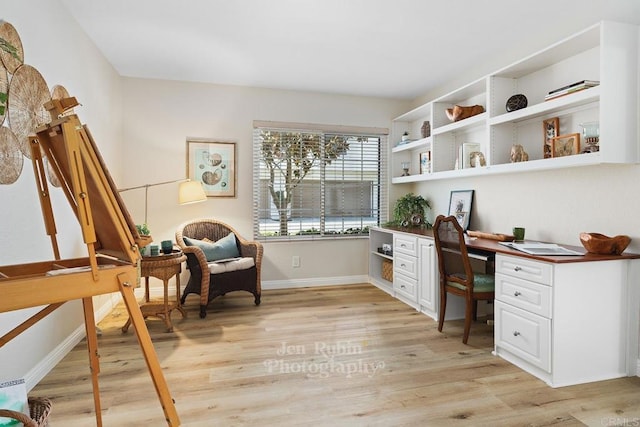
(191, 192)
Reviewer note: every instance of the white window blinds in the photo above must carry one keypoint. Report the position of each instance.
(311, 182)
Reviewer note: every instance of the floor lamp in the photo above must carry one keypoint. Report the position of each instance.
(188, 192)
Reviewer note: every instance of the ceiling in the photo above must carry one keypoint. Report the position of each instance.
(386, 48)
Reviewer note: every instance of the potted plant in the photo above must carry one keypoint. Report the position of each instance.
(410, 211)
(145, 238)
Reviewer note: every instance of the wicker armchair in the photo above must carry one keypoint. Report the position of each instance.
(210, 285)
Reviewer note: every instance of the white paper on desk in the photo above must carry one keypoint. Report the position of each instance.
(538, 248)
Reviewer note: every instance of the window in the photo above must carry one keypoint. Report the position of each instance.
(317, 182)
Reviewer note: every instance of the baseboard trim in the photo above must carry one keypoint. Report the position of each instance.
(322, 281)
(38, 372)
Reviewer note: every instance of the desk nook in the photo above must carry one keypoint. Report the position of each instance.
(565, 319)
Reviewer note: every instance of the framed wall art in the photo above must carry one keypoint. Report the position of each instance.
(551, 128)
(214, 165)
(460, 206)
(565, 145)
(425, 162)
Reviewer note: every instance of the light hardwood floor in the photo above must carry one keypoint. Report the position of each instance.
(354, 357)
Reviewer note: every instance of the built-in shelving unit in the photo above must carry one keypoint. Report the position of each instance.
(607, 52)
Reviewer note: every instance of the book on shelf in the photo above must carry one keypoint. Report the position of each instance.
(580, 83)
(566, 92)
(585, 84)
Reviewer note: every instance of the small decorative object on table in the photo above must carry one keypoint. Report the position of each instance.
(459, 112)
(167, 246)
(518, 154)
(597, 243)
(516, 102)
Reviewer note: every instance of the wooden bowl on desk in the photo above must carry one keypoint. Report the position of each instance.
(600, 244)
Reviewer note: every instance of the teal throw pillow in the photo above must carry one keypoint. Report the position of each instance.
(222, 249)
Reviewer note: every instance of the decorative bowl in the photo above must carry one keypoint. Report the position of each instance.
(600, 244)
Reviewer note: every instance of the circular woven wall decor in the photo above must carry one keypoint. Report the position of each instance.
(28, 92)
(10, 35)
(4, 91)
(11, 159)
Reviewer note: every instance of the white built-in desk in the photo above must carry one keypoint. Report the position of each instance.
(565, 319)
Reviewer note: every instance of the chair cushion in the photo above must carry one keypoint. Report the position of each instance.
(481, 282)
(225, 267)
(222, 249)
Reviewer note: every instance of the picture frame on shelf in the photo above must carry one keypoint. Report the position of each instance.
(214, 165)
(467, 149)
(551, 129)
(460, 203)
(425, 162)
(565, 145)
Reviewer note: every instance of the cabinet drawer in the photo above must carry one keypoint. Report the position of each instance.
(524, 294)
(407, 245)
(406, 287)
(524, 334)
(406, 265)
(523, 268)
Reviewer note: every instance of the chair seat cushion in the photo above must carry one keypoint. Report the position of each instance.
(236, 264)
(481, 282)
(222, 249)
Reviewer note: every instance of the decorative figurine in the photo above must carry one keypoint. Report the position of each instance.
(516, 102)
(518, 154)
(425, 130)
(459, 112)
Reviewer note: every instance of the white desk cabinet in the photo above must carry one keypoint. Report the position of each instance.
(566, 323)
(414, 268)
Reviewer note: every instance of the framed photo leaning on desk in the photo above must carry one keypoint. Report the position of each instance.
(460, 203)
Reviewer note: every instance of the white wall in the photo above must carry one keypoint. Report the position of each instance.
(55, 45)
(161, 115)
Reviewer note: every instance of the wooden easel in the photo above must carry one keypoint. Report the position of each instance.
(112, 245)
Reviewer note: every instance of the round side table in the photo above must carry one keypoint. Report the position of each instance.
(163, 267)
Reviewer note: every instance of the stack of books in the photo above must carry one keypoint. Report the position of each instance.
(574, 87)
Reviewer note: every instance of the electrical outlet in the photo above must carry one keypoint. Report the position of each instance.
(295, 261)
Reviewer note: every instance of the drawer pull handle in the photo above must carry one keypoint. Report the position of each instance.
(402, 245)
(517, 268)
(401, 286)
(517, 294)
(516, 333)
(402, 265)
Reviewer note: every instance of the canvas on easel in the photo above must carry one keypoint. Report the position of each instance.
(110, 236)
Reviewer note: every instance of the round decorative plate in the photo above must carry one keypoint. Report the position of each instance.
(11, 159)
(4, 92)
(516, 102)
(28, 92)
(11, 60)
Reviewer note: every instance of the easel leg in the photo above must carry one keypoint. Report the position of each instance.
(94, 362)
(148, 351)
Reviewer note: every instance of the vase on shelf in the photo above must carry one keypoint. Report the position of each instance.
(405, 168)
(425, 130)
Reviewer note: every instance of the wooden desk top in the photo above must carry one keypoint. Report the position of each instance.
(489, 245)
